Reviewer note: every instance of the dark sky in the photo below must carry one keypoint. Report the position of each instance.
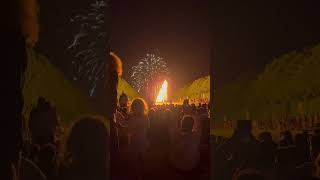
(243, 36)
(248, 34)
(179, 29)
(57, 33)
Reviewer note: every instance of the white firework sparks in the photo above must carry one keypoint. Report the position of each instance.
(89, 44)
(148, 69)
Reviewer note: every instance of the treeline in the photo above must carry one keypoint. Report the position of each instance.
(289, 86)
(42, 79)
(199, 88)
(125, 87)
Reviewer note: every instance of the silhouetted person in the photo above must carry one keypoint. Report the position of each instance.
(267, 151)
(205, 129)
(152, 121)
(138, 125)
(152, 117)
(113, 72)
(43, 123)
(243, 148)
(87, 149)
(163, 129)
(185, 154)
(123, 104)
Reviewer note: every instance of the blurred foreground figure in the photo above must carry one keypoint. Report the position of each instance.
(87, 150)
(20, 21)
(43, 148)
(113, 72)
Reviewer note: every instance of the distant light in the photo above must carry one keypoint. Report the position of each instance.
(163, 93)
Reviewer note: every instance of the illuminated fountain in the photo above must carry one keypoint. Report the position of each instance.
(163, 93)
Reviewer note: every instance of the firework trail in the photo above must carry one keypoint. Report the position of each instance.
(148, 69)
(88, 46)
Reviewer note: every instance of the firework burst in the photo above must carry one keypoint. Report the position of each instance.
(89, 43)
(148, 69)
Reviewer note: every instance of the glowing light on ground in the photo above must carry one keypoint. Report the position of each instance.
(163, 93)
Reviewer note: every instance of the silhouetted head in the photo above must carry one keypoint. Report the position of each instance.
(114, 71)
(123, 100)
(139, 107)
(116, 64)
(43, 122)
(87, 142)
(187, 124)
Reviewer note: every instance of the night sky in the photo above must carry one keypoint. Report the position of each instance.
(56, 30)
(239, 37)
(246, 35)
(57, 33)
(178, 29)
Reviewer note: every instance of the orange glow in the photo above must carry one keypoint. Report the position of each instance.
(162, 96)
